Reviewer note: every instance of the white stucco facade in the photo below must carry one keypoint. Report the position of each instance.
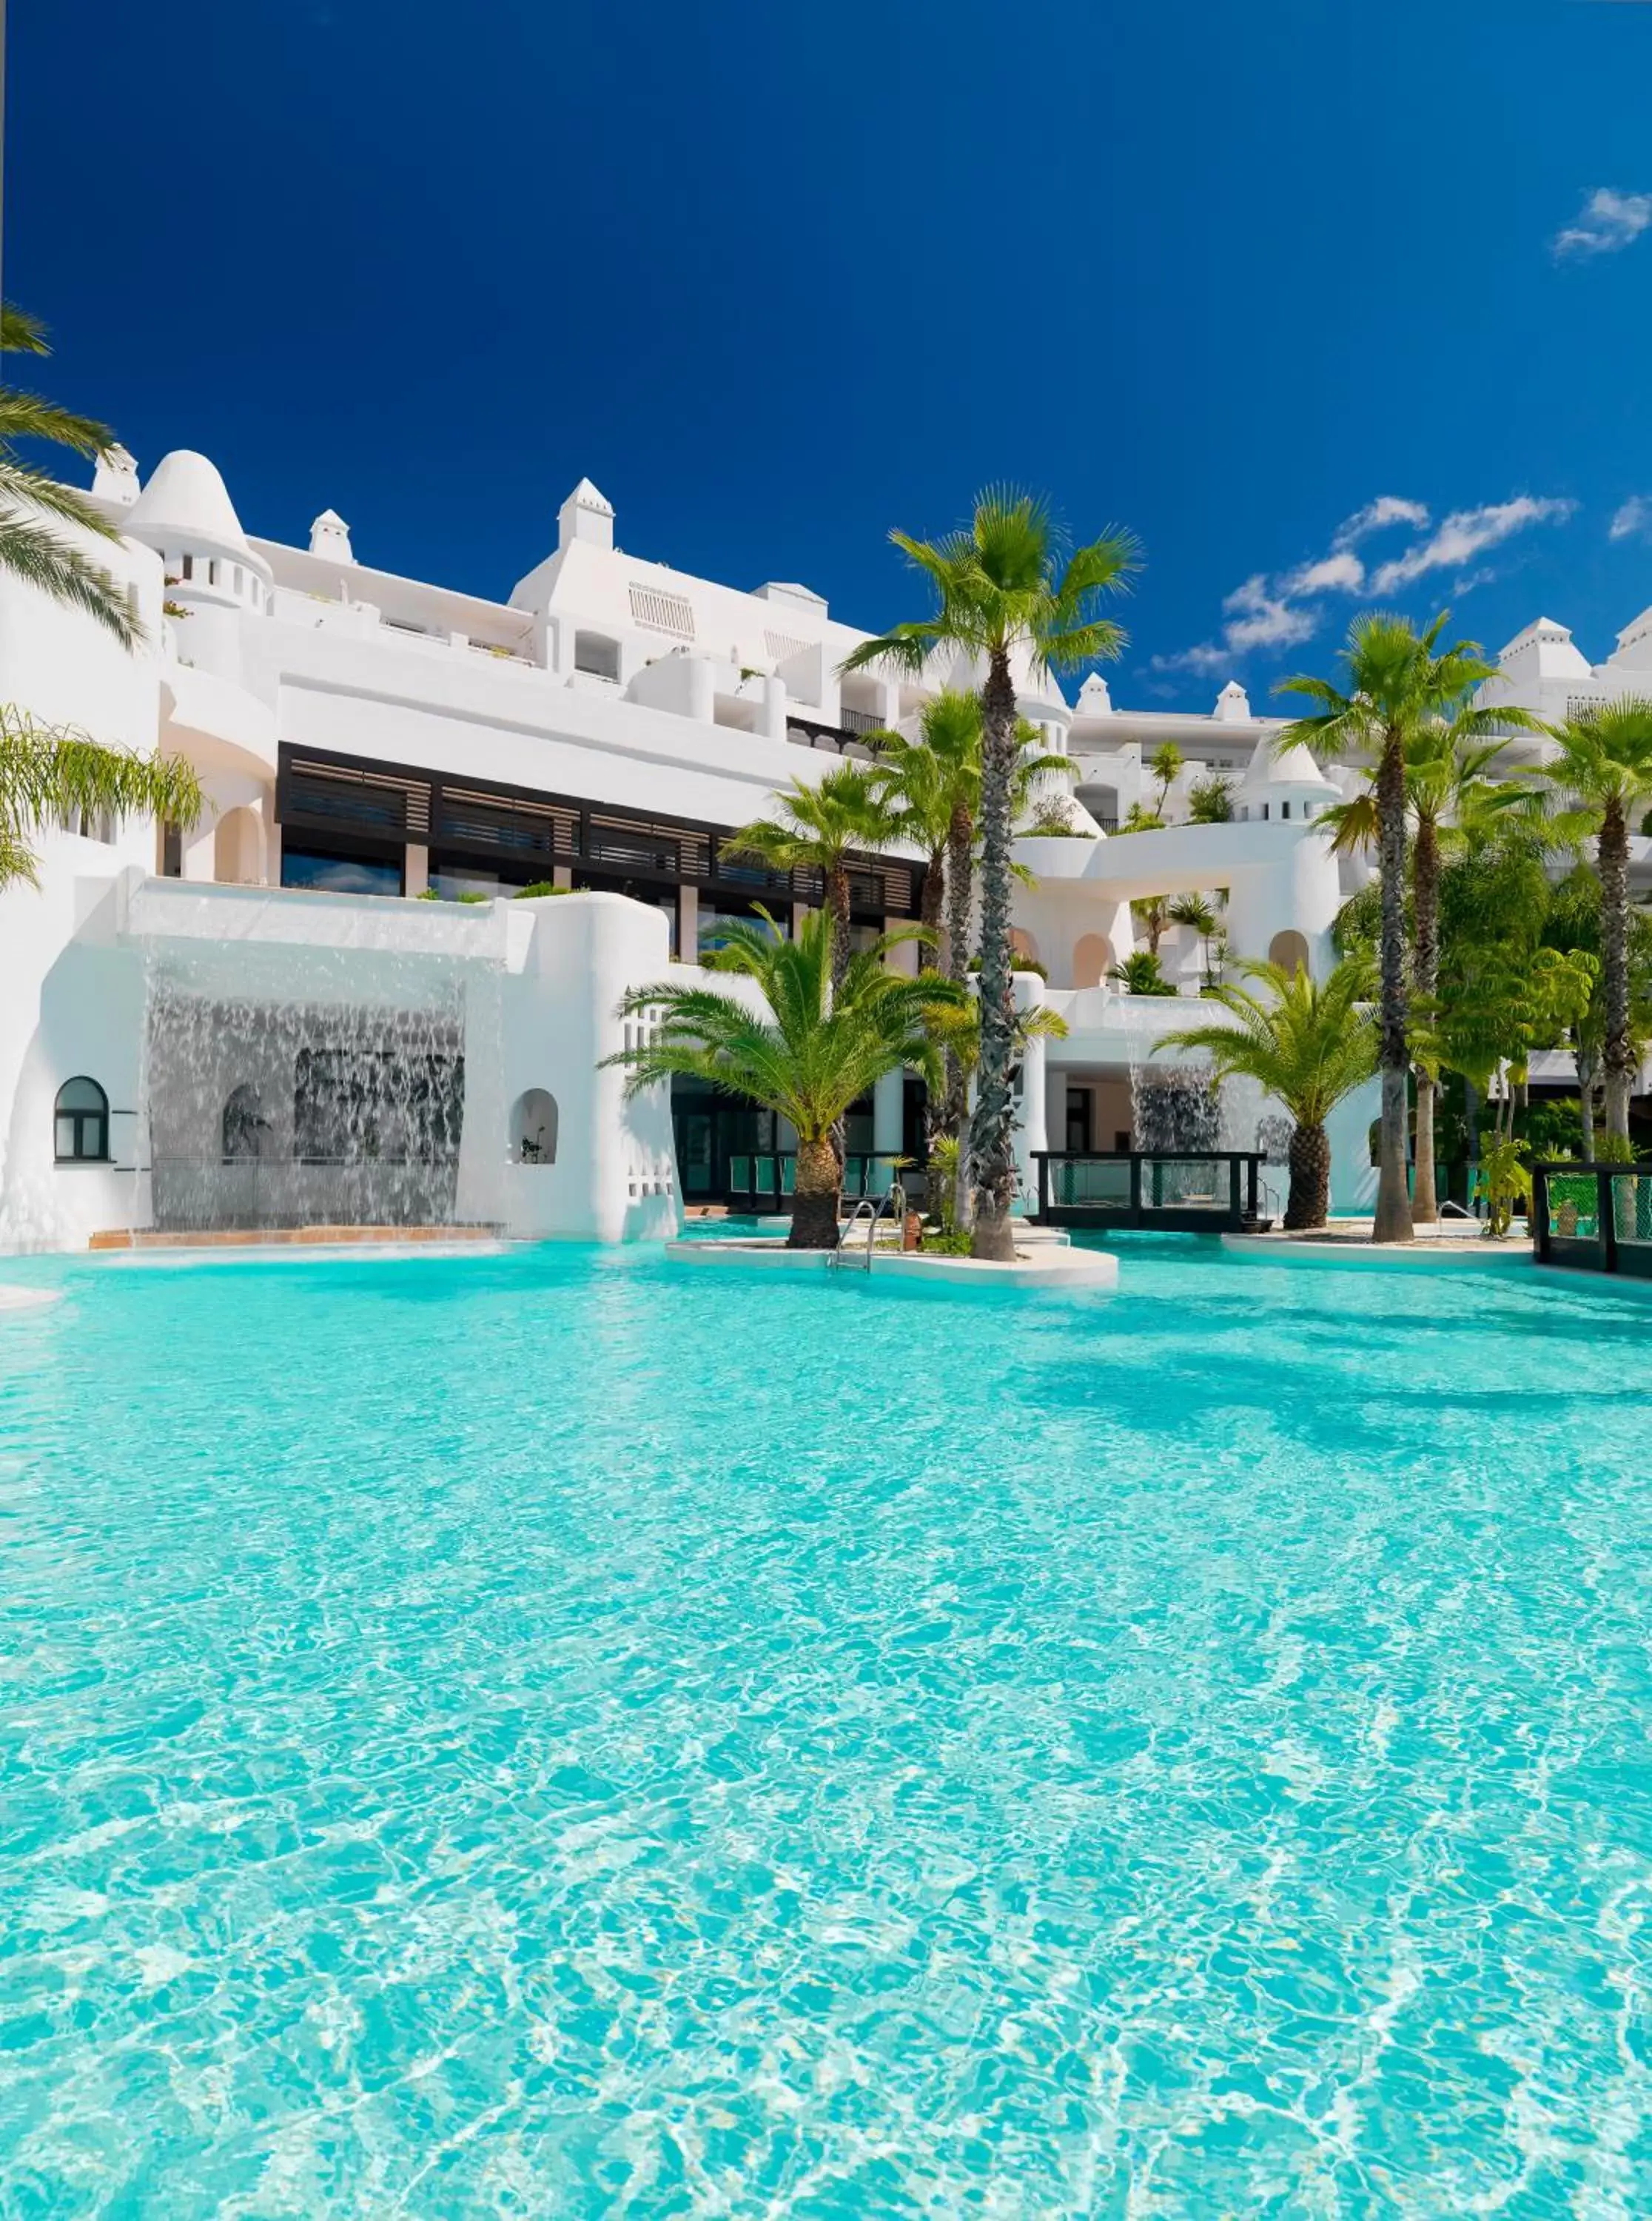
(363, 737)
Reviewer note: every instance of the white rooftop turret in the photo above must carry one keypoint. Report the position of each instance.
(187, 503)
(1543, 650)
(586, 514)
(330, 536)
(1094, 698)
(1634, 650)
(1232, 704)
(1291, 777)
(115, 478)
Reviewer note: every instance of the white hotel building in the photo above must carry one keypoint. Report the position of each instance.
(186, 1020)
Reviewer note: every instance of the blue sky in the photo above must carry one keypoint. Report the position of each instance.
(1323, 300)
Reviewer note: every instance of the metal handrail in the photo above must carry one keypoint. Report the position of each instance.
(894, 1200)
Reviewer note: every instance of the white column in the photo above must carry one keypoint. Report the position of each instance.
(688, 925)
(1055, 1104)
(904, 959)
(416, 870)
(771, 718)
(888, 1122)
(1031, 1115)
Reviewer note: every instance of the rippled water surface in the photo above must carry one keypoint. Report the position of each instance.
(571, 1735)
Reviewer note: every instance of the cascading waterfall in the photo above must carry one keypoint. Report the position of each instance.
(273, 1113)
(1176, 1110)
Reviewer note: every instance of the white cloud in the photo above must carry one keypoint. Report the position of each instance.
(1282, 611)
(1464, 534)
(1609, 221)
(1632, 520)
(1259, 619)
(1341, 572)
(1377, 516)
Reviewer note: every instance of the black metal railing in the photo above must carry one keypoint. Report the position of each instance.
(1209, 1192)
(765, 1179)
(1597, 1218)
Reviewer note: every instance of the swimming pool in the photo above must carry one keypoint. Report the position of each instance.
(566, 1733)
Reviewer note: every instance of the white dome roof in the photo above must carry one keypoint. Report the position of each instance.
(1294, 769)
(186, 499)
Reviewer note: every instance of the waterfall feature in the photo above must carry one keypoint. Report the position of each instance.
(274, 1113)
(1175, 1108)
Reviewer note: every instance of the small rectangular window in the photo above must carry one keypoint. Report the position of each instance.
(187, 567)
(1284, 808)
(212, 572)
(1265, 809)
(236, 576)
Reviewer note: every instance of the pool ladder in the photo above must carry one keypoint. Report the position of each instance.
(869, 1214)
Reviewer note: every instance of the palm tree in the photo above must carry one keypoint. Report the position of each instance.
(1002, 590)
(1451, 804)
(52, 775)
(821, 828)
(931, 790)
(1307, 1045)
(1397, 683)
(1605, 761)
(817, 1048)
(1140, 975)
(1164, 763)
(29, 549)
(1198, 913)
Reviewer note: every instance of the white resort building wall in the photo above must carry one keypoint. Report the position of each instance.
(362, 737)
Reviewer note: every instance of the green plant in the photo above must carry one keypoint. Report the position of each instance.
(1210, 801)
(1019, 962)
(31, 498)
(1140, 975)
(1397, 683)
(1005, 591)
(435, 894)
(1164, 763)
(1614, 1149)
(539, 889)
(816, 1047)
(1605, 760)
(821, 828)
(1139, 818)
(1502, 1178)
(1054, 820)
(1307, 1045)
(54, 775)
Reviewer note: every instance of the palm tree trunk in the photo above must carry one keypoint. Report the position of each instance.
(931, 915)
(960, 890)
(1310, 1166)
(836, 893)
(817, 1200)
(1425, 882)
(1392, 1220)
(992, 1128)
(1613, 855)
(1586, 1068)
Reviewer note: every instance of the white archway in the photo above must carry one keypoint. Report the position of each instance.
(238, 848)
(1092, 960)
(533, 1128)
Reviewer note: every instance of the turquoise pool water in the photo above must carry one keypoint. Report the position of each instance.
(569, 1734)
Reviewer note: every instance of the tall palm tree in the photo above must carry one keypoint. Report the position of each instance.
(817, 1048)
(1397, 682)
(1450, 804)
(30, 497)
(820, 830)
(930, 789)
(1308, 1044)
(52, 775)
(1605, 760)
(1002, 589)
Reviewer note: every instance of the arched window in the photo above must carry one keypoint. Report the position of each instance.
(533, 1128)
(1288, 950)
(81, 1122)
(1092, 960)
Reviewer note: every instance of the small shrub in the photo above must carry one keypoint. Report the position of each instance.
(540, 888)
